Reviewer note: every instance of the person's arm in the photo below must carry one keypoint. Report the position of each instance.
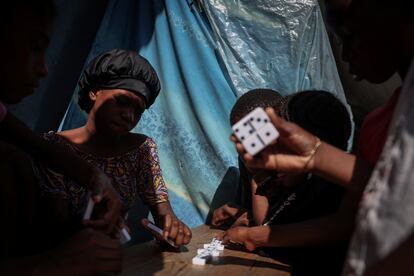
(15, 132)
(315, 232)
(303, 153)
(154, 193)
(59, 158)
(260, 205)
(225, 214)
(348, 170)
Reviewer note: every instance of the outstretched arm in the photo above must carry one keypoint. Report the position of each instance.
(15, 132)
(260, 205)
(63, 161)
(302, 153)
(315, 232)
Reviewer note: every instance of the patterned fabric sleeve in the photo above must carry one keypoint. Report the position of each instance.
(52, 184)
(151, 186)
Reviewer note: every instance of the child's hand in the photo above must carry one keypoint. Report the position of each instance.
(224, 214)
(238, 235)
(242, 220)
(293, 152)
(102, 191)
(175, 230)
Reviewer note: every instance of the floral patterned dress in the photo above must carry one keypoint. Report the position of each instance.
(135, 173)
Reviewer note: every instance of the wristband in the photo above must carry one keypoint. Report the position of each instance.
(313, 152)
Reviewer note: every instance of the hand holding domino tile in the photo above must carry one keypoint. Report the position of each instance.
(299, 146)
(157, 232)
(103, 192)
(123, 233)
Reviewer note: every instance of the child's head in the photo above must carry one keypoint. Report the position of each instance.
(320, 113)
(253, 99)
(376, 35)
(25, 29)
(115, 89)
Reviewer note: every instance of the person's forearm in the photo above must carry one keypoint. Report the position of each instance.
(56, 156)
(159, 210)
(323, 231)
(342, 168)
(260, 205)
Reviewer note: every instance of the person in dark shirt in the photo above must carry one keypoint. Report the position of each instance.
(284, 200)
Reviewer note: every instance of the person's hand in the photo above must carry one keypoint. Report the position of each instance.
(104, 193)
(224, 214)
(293, 151)
(238, 235)
(119, 227)
(88, 252)
(175, 230)
(172, 229)
(242, 220)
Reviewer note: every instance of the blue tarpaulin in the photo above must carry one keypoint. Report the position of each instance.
(189, 120)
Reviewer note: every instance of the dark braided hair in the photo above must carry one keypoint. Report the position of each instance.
(252, 99)
(320, 113)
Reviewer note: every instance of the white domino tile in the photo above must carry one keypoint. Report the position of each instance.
(209, 251)
(255, 131)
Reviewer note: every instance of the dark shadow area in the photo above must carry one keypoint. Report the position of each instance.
(75, 32)
(164, 247)
(226, 260)
(226, 191)
(147, 260)
(138, 234)
(76, 25)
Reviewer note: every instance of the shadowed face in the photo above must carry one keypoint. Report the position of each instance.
(25, 39)
(116, 111)
(372, 38)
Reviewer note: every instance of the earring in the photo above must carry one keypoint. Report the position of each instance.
(92, 94)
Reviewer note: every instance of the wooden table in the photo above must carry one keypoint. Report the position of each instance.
(153, 258)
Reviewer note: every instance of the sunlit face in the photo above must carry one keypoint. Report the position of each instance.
(25, 39)
(116, 111)
(371, 39)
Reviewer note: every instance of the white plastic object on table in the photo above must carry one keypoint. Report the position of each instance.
(208, 251)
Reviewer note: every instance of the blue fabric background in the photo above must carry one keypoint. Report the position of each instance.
(189, 120)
